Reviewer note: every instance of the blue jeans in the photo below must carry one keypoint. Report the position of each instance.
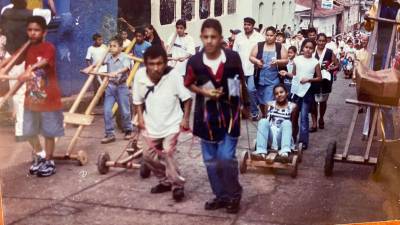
(304, 104)
(117, 94)
(282, 139)
(222, 168)
(251, 88)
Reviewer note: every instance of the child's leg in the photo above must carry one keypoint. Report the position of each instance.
(263, 131)
(35, 143)
(286, 137)
(52, 126)
(314, 114)
(109, 101)
(31, 129)
(125, 107)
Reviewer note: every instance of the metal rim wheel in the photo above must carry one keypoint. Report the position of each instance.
(243, 162)
(295, 169)
(101, 163)
(329, 159)
(144, 170)
(82, 158)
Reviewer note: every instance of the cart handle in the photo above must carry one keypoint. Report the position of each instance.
(362, 103)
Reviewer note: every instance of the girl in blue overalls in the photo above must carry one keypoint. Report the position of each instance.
(267, 57)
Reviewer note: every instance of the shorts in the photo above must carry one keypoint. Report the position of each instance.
(48, 124)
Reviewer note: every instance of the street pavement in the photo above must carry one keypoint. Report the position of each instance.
(80, 195)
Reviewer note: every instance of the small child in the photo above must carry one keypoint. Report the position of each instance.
(95, 54)
(141, 45)
(43, 107)
(276, 129)
(287, 76)
(118, 66)
(125, 41)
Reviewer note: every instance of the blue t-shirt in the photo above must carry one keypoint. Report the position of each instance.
(140, 49)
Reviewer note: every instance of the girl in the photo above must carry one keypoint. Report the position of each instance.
(152, 36)
(277, 127)
(305, 66)
(287, 76)
(329, 64)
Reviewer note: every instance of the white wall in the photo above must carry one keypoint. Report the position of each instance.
(325, 24)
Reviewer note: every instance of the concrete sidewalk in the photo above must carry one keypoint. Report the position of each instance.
(80, 195)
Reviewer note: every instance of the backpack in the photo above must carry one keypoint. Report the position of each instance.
(260, 51)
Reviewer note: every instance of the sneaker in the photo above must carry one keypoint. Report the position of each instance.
(215, 204)
(178, 194)
(108, 139)
(37, 163)
(160, 188)
(47, 169)
(233, 206)
(128, 135)
(283, 158)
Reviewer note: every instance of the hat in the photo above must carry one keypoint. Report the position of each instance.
(235, 31)
(249, 20)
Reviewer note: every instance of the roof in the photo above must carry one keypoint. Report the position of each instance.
(319, 12)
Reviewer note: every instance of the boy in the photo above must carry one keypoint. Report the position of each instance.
(125, 41)
(182, 47)
(141, 45)
(158, 89)
(118, 66)
(95, 53)
(216, 76)
(43, 108)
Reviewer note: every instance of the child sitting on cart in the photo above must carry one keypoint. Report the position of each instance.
(276, 129)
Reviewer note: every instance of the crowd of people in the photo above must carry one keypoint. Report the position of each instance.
(272, 76)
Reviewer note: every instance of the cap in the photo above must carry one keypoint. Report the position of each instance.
(235, 31)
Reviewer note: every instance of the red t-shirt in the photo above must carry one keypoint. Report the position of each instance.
(43, 93)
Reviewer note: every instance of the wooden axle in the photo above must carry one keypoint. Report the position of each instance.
(128, 165)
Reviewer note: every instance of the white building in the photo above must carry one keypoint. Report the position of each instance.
(325, 21)
(163, 14)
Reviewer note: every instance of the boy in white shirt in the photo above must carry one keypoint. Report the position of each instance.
(181, 47)
(95, 54)
(158, 90)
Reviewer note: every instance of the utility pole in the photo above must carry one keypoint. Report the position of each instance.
(311, 24)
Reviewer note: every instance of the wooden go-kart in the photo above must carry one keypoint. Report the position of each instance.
(250, 159)
(130, 158)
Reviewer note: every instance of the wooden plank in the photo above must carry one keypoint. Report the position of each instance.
(270, 165)
(355, 159)
(392, 40)
(350, 132)
(78, 119)
(362, 103)
(372, 133)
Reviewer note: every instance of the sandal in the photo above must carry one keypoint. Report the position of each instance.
(312, 130)
(321, 124)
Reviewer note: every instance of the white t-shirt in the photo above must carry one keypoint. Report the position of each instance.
(182, 47)
(95, 54)
(243, 47)
(126, 44)
(305, 68)
(214, 64)
(163, 113)
(332, 46)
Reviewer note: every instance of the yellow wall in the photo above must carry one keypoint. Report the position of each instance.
(32, 4)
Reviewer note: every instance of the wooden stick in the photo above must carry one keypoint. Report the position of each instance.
(98, 74)
(380, 19)
(87, 84)
(136, 59)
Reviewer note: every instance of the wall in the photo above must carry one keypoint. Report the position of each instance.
(324, 24)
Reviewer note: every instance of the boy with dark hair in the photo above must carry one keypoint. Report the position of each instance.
(141, 44)
(216, 76)
(118, 66)
(157, 91)
(95, 54)
(181, 47)
(43, 108)
(125, 41)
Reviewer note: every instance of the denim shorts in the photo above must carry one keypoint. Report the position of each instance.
(48, 124)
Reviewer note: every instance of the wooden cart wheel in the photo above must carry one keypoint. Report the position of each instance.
(295, 169)
(243, 162)
(329, 159)
(82, 158)
(101, 163)
(144, 170)
(300, 152)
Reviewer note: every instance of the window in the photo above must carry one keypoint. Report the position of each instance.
(219, 7)
(204, 9)
(137, 14)
(187, 10)
(231, 6)
(167, 11)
